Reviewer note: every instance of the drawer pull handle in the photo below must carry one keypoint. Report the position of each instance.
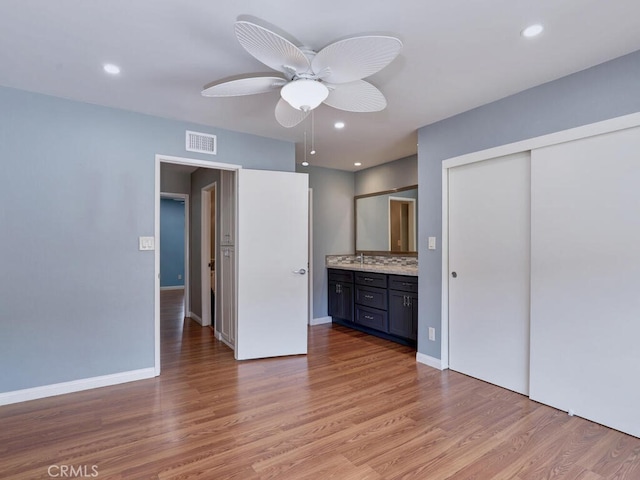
(367, 279)
(368, 296)
(368, 317)
(407, 284)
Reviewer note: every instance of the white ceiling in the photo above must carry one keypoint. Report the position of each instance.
(458, 54)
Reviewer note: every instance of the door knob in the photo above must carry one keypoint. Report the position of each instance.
(302, 271)
(454, 274)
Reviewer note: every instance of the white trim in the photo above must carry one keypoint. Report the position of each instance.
(310, 261)
(195, 317)
(228, 344)
(75, 386)
(175, 287)
(320, 320)
(444, 309)
(599, 128)
(577, 133)
(430, 361)
(179, 161)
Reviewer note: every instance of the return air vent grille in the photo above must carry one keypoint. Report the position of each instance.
(201, 143)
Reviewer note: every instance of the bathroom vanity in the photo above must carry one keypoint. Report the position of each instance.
(379, 299)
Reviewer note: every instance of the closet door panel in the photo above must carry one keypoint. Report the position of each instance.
(585, 278)
(489, 220)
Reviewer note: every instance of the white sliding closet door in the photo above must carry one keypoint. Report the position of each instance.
(489, 240)
(585, 283)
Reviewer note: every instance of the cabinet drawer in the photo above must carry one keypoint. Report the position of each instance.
(372, 318)
(337, 275)
(371, 279)
(371, 297)
(403, 283)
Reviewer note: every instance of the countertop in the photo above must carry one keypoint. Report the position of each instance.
(410, 270)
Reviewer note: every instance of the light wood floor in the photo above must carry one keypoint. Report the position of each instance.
(355, 408)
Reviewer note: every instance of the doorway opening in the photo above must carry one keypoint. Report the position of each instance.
(174, 254)
(197, 268)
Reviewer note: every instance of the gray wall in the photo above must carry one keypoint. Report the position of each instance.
(199, 179)
(605, 91)
(396, 174)
(174, 181)
(332, 225)
(77, 189)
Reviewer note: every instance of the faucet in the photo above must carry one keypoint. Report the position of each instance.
(361, 258)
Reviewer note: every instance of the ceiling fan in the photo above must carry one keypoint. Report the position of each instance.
(332, 76)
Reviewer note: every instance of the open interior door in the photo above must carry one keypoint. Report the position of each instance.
(272, 255)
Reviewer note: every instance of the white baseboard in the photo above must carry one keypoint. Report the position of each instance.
(195, 317)
(174, 287)
(320, 320)
(75, 386)
(428, 360)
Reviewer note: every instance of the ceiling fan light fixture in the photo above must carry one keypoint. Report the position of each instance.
(304, 94)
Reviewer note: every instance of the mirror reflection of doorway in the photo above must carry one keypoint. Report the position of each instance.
(402, 231)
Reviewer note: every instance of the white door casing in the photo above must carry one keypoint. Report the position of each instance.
(272, 253)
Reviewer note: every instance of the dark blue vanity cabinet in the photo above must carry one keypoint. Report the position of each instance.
(380, 304)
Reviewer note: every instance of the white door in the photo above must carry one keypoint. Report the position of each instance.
(489, 272)
(272, 260)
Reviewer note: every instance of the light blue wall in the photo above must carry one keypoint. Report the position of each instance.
(605, 91)
(172, 222)
(76, 192)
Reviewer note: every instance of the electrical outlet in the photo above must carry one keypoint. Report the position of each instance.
(179, 277)
(432, 334)
(146, 243)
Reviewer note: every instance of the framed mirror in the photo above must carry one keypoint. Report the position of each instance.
(387, 222)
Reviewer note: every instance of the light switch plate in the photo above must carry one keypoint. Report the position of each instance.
(432, 243)
(147, 243)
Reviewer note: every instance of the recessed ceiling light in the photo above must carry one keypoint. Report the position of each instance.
(305, 164)
(339, 125)
(357, 164)
(312, 152)
(532, 30)
(111, 69)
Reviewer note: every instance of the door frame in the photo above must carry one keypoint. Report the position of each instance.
(208, 317)
(310, 254)
(577, 133)
(187, 226)
(192, 162)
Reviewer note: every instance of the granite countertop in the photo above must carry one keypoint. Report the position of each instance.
(410, 270)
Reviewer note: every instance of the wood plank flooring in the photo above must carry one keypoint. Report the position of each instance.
(355, 408)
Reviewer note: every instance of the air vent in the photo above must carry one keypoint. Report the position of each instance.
(201, 143)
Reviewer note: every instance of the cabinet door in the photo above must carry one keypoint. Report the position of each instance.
(341, 300)
(403, 314)
(227, 207)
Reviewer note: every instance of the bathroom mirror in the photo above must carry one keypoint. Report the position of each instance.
(387, 222)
